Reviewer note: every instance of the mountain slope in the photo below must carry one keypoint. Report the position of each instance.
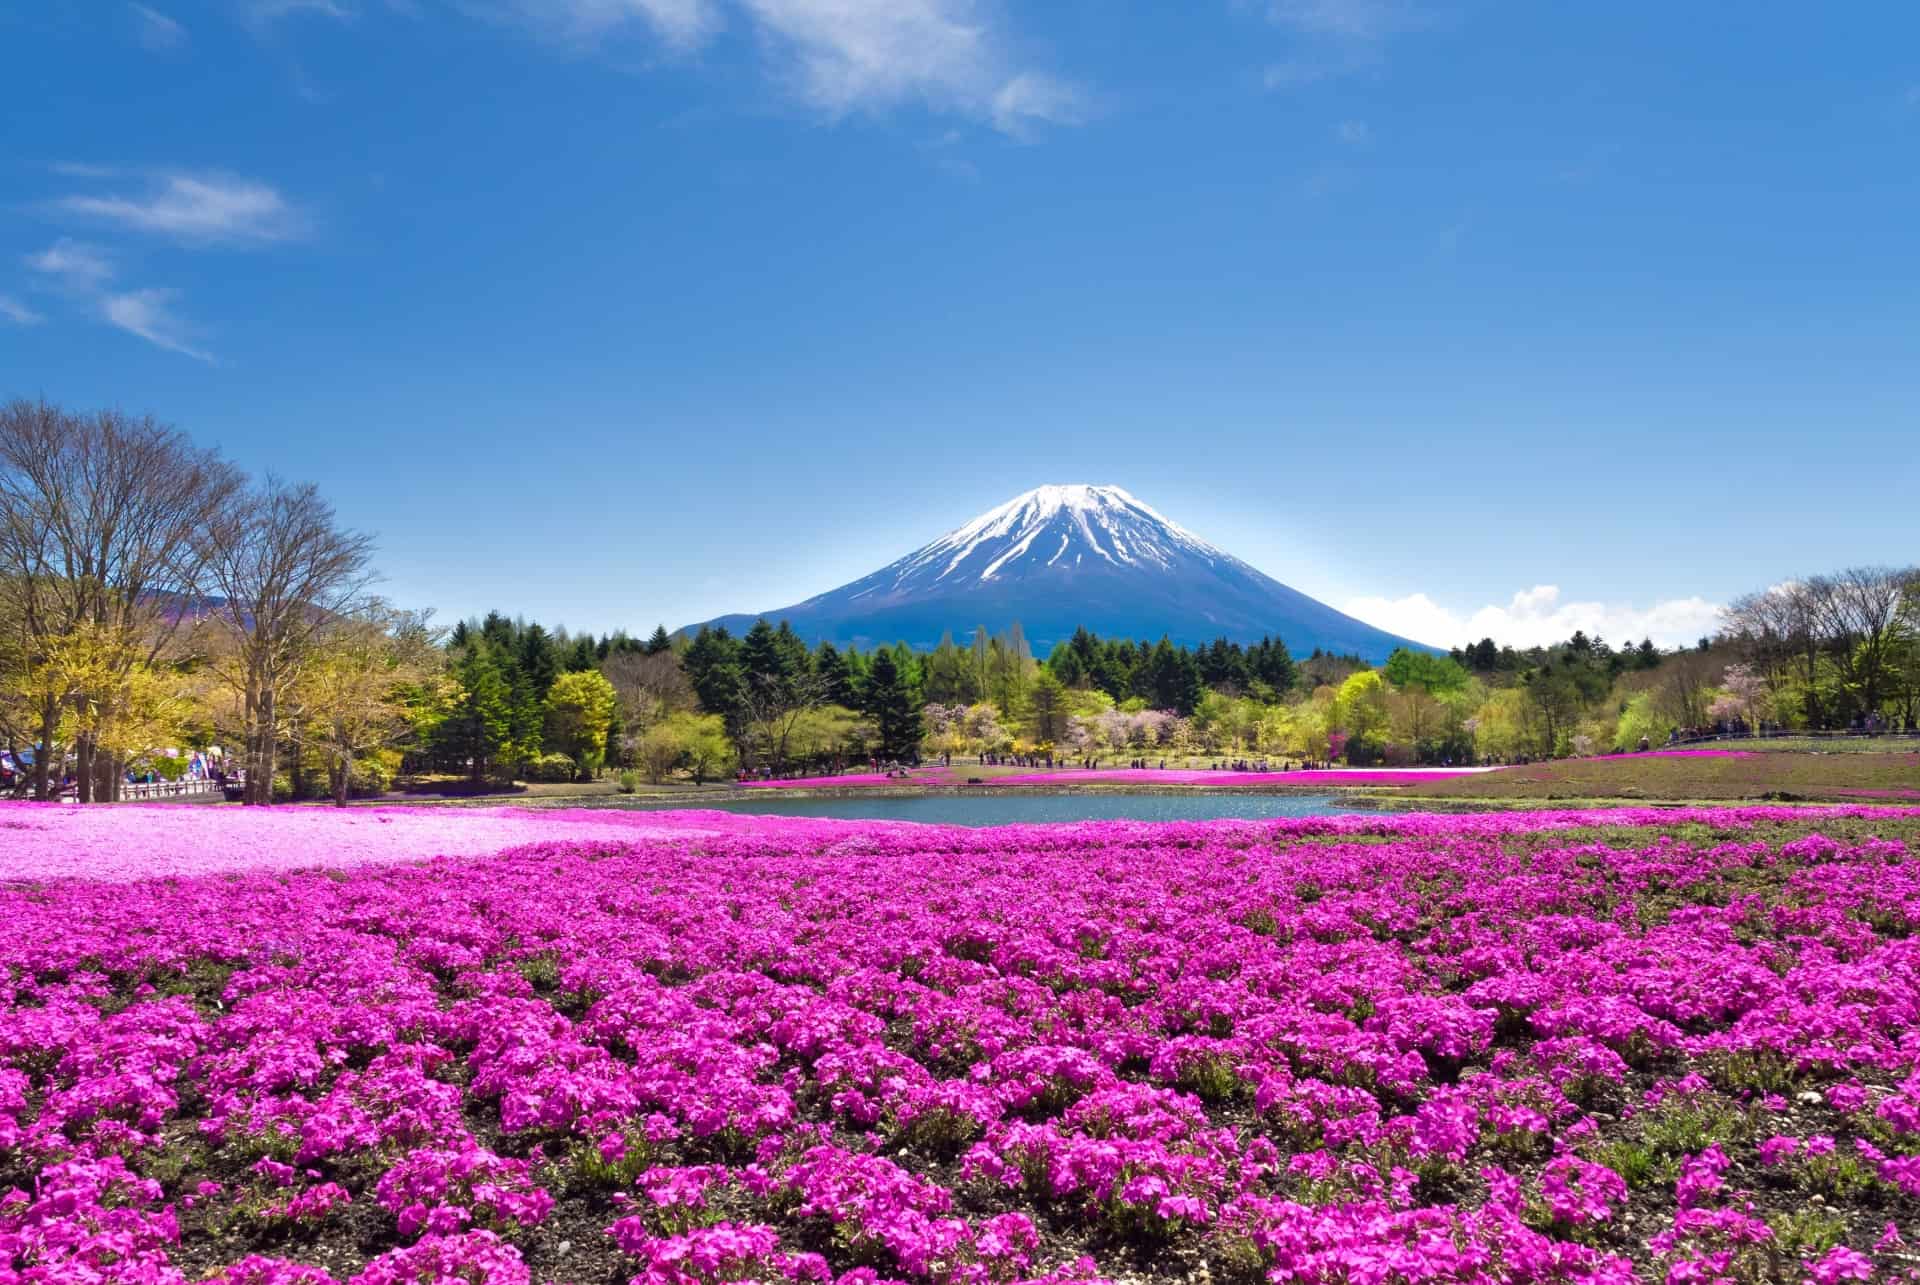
(1061, 557)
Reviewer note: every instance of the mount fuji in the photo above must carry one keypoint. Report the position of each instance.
(1061, 557)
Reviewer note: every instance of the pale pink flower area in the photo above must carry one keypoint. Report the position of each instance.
(313, 1047)
(1340, 777)
(131, 841)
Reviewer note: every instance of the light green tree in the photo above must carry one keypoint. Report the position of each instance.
(696, 742)
(1360, 708)
(580, 709)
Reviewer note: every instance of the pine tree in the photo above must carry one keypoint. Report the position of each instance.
(480, 727)
(835, 679)
(889, 702)
(659, 642)
(538, 661)
(763, 661)
(712, 665)
(582, 656)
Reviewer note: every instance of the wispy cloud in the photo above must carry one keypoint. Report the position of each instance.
(149, 314)
(842, 56)
(1537, 617)
(203, 209)
(84, 275)
(81, 169)
(156, 31)
(262, 12)
(12, 310)
(682, 25)
(1347, 19)
(1335, 38)
(837, 57)
(73, 265)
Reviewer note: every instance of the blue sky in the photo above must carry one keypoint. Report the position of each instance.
(1468, 316)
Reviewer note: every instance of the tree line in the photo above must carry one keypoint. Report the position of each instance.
(154, 598)
(152, 595)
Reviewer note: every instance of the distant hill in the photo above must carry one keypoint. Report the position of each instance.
(1061, 557)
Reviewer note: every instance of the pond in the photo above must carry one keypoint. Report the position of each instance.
(1006, 807)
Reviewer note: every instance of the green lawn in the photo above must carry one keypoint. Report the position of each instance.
(1855, 777)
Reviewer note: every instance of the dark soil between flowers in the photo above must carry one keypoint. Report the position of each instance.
(572, 1244)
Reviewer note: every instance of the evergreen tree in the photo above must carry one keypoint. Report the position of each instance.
(478, 730)
(890, 703)
(712, 665)
(1170, 679)
(659, 642)
(526, 717)
(795, 661)
(834, 677)
(764, 661)
(537, 659)
(582, 656)
(1273, 665)
(497, 632)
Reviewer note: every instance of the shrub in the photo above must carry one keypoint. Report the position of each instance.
(552, 769)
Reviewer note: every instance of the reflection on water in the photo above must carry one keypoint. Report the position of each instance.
(1004, 807)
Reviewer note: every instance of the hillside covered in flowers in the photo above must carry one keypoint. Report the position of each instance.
(1556, 1047)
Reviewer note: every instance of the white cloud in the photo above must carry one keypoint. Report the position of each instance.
(1029, 98)
(12, 310)
(1352, 132)
(157, 32)
(680, 24)
(1346, 19)
(265, 11)
(836, 56)
(842, 56)
(148, 314)
(209, 208)
(78, 169)
(74, 264)
(1537, 617)
(1335, 38)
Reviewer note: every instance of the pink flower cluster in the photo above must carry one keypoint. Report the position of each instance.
(1338, 1049)
(1152, 776)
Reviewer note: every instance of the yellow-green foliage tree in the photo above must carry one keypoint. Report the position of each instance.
(1360, 709)
(108, 693)
(580, 709)
(363, 689)
(696, 742)
(1506, 726)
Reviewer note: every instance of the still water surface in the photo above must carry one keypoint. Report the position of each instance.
(1010, 808)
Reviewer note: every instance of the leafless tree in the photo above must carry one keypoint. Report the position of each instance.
(100, 524)
(1854, 620)
(648, 687)
(774, 707)
(282, 569)
(1858, 611)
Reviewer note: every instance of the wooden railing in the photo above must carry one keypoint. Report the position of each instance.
(166, 790)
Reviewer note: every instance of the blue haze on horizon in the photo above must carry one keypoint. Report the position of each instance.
(1463, 315)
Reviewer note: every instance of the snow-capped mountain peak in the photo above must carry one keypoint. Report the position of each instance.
(1051, 526)
(1058, 558)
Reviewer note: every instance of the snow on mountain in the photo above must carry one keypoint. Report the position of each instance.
(1060, 557)
(1087, 521)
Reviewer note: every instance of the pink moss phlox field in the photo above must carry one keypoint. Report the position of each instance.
(1183, 776)
(849, 779)
(1335, 1049)
(50, 841)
